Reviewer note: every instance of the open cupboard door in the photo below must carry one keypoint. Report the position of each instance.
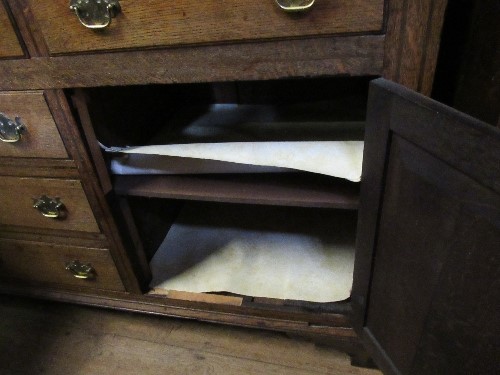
(426, 293)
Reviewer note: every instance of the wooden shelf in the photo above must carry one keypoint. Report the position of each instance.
(285, 189)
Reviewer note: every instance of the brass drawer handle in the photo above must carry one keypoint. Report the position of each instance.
(11, 131)
(95, 14)
(80, 270)
(295, 5)
(49, 207)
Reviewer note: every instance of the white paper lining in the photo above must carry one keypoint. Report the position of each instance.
(139, 164)
(334, 158)
(300, 264)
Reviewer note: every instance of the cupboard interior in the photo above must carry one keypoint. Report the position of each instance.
(191, 217)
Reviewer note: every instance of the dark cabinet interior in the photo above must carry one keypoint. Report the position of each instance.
(190, 211)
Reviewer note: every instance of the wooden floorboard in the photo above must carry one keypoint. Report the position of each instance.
(42, 337)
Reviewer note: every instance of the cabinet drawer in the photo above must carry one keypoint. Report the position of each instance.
(17, 200)
(46, 263)
(9, 45)
(40, 137)
(164, 23)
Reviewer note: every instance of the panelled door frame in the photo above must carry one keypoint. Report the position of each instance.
(460, 142)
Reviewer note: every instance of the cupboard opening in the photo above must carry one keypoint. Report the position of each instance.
(228, 232)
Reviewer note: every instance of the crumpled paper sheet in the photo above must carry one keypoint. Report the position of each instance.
(221, 252)
(341, 159)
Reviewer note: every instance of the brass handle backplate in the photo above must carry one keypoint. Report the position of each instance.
(295, 5)
(49, 207)
(80, 270)
(95, 14)
(11, 131)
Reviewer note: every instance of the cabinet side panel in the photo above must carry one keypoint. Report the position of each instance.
(412, 42)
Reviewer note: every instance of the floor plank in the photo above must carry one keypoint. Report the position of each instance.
(42, 337)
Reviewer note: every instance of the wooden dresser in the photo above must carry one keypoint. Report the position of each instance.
(106, 70)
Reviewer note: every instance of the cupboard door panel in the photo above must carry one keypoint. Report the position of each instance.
(427, 257)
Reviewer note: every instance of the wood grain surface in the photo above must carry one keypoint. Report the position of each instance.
(17, 196)
(334, 328)
(445, 227)
(41, 138)
(27, 28)
(439, 230)
(47, 337)
(98, 203)
(67, 238)
(38, 262)
(301, 190)
(349, 55)
(30, 167)
(9, 44)
(160, 23)
(413, 34)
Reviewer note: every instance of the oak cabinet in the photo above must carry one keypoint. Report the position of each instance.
(416, 238)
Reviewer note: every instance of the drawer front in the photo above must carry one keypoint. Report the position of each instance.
(40, 137)
(158, 23)
(9, 44)
(18, 195)
(38, 262)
